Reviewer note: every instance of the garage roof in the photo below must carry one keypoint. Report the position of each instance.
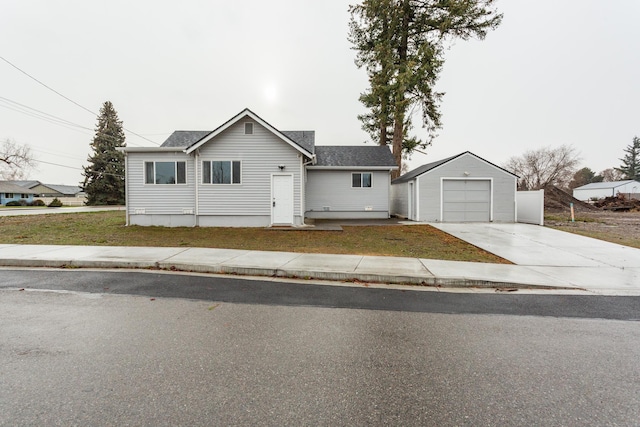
(429, 166)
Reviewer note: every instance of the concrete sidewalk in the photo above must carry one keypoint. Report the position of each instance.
(378, 269)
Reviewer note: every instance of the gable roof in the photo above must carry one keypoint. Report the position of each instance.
(429, 166)
(605, 185)
(184, 138)
(244, 113)
(10, 187)
(345, 156)
(26, 184)
(63, 189)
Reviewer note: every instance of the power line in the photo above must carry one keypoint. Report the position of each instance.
(69, 99)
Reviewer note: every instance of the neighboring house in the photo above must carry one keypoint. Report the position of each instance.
(461, 188)
(51, 190)
(10, 192)
(247, 173)
(599, 190)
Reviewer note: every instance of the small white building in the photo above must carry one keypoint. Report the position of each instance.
(461, 188)
(599, 190)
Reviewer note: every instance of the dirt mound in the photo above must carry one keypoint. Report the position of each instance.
(619, 202)
(556, 199)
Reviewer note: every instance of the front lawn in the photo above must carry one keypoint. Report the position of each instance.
(108, 229)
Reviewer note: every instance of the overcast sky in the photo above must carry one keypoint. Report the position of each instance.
(555, 72)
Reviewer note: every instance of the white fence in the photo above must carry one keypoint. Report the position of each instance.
(530, 207)
(66, 201)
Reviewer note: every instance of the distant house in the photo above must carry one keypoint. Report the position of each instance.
(51, 190)
(10, 192)
(248, 173)
(461, 188)
(599, 190)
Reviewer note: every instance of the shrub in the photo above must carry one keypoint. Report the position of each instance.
(13, 203)
(38, 202)
(55, 203)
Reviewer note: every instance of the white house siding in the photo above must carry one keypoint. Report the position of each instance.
(153, 204)
(332, 190)
(248, 203)
(467, 167)
(400, 199)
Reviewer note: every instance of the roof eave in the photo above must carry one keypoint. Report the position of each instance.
(384, 168)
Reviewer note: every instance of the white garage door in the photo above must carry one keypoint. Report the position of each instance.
(466, 200)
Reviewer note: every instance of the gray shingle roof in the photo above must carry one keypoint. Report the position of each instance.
(185, 138)
(26, 184)
(9, 187)
(345, 155)
(304, 138)
(68, 190)
(425, 168)
(604, 185)
(422, 169)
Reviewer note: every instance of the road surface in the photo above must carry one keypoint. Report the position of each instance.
(123, 348)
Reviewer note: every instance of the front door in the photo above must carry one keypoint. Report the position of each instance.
(282, 199)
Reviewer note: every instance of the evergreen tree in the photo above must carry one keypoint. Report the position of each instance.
(631, 162)
(104, 176)
(400, 43)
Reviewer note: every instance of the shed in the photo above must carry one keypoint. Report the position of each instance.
(461, 188)
(599, 190)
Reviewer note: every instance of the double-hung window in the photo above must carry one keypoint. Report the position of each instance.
(361, 180)
(221, 172)
(165, 172)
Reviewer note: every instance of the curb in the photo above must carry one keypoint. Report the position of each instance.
(449, 282)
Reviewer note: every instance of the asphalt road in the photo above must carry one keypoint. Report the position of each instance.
(122, 348)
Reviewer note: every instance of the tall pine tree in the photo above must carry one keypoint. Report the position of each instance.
(631, 161)
(104, 176)
(400, 43)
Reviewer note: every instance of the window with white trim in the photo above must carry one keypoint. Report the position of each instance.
(8, 195)
(361, 180)
(165, 172)
(248, 128)
(221, 172)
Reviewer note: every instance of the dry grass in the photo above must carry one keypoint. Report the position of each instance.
(108, 229)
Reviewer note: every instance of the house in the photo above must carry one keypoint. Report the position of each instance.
(51, 190)
(10, 192)
(599, 190)
(247, 173)
(461, 188)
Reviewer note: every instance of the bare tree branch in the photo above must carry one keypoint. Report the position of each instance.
(544, 167)
(15, 160)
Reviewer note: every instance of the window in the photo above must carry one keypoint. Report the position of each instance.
(8, 195)
(24, 196)
(165, 173)
(248, 128)
(221, 172)
(361, 179)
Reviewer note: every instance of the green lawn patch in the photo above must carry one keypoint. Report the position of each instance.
(108, 229)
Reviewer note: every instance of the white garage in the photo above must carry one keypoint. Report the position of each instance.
(461, 188)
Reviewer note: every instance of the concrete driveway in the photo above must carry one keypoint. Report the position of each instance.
(558, 254)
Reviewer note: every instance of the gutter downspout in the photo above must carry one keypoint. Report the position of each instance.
(126, 189)
(303, 200)
(195, 178)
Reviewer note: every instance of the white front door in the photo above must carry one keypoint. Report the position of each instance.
(282, 199)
